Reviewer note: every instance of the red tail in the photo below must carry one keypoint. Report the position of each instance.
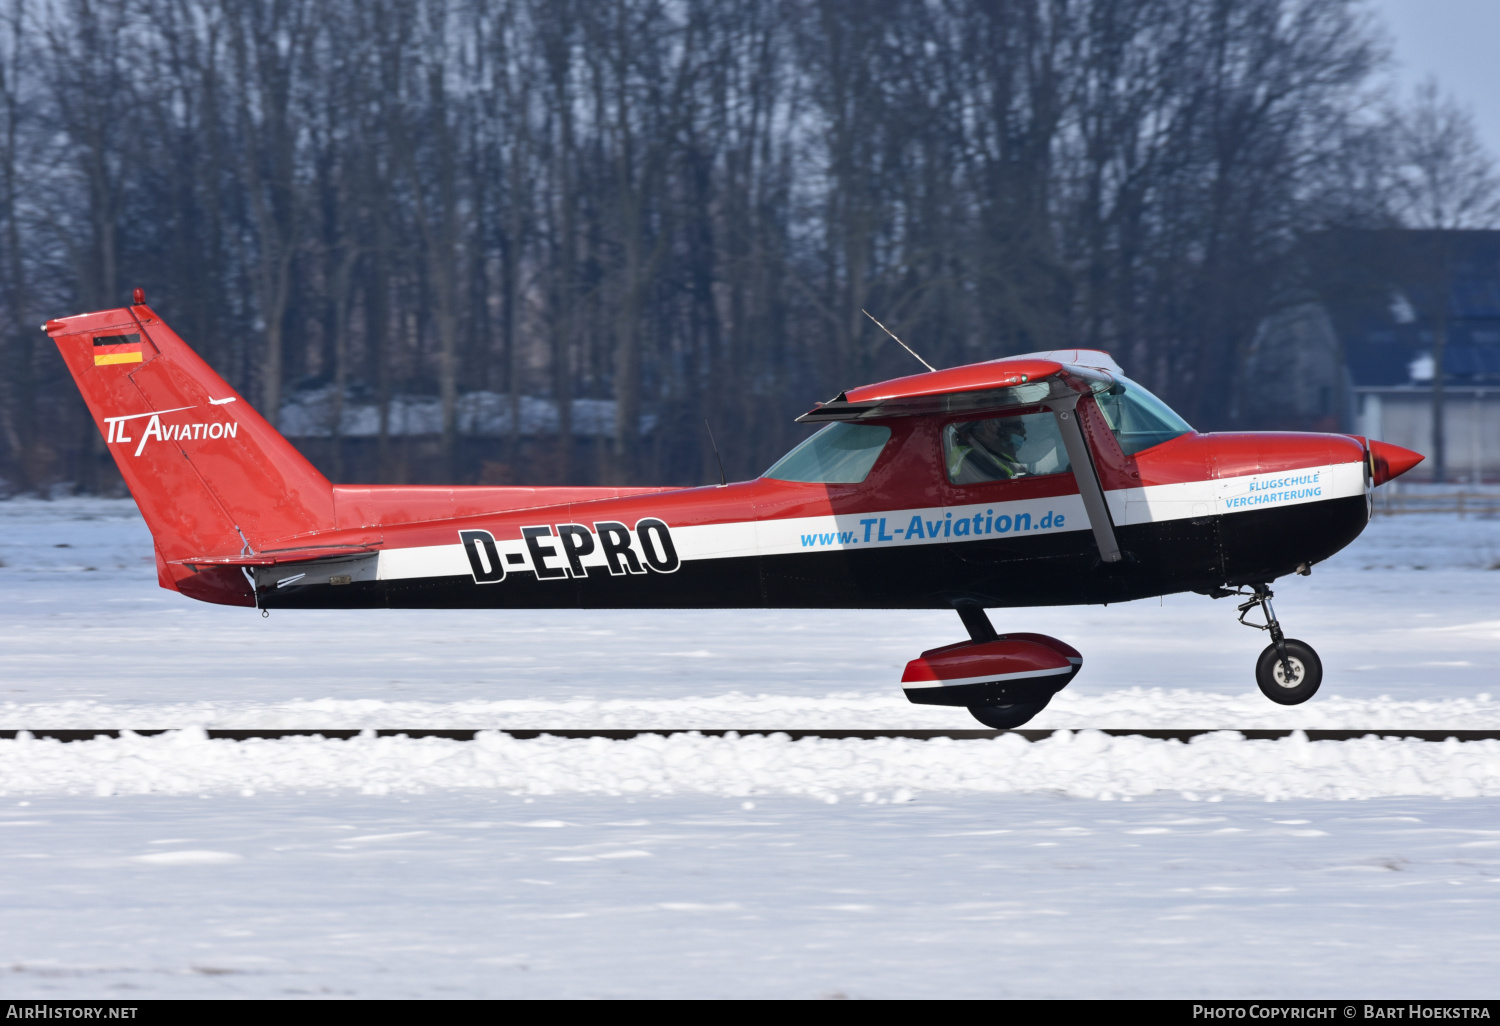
(211, 476)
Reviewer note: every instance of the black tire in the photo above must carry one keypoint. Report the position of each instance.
(1306, 666)
(1007, 717)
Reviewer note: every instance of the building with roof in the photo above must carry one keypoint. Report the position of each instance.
(1356, 348)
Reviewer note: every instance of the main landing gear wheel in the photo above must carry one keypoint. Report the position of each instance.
(1007, 717)
(1306, 675)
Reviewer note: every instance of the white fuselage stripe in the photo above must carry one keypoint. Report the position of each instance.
(1227, 496)
(955, 681)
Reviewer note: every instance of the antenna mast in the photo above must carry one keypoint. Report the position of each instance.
(900, 343)
(723, 481)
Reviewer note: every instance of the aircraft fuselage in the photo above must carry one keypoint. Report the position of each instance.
(1195, 513)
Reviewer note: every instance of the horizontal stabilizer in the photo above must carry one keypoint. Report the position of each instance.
(278, 558)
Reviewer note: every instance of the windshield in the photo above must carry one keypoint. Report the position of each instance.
(841, 453)
(1138, 419)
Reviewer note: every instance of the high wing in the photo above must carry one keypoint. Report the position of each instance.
(997, 385)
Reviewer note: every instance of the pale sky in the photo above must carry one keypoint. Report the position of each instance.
(1456, 41)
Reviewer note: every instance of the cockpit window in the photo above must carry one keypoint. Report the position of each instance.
(1138, 419)
(1002, 448)
(841, 453)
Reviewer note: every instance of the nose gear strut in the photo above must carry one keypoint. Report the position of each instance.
(1288, 672)
(1261, 595)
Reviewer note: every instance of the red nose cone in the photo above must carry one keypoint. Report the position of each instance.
(1392, 460)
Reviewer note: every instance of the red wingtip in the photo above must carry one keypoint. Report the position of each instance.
(1391, 461)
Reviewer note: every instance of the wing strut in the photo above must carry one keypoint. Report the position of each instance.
(1087, 476)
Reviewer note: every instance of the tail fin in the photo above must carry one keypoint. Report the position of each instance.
(211, 477)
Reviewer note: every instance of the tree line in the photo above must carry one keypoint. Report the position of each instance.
(678, 205)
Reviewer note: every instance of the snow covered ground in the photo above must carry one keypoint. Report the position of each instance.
(1406, 621)
(1080, 865)
(457, 894)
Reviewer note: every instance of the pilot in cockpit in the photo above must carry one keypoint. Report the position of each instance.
(985, 450)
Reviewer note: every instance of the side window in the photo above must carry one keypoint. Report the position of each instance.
(841, 453)
(1003, 448)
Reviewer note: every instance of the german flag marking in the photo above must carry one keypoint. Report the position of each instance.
(111, 349)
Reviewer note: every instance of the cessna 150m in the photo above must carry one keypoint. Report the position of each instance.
(1045, 479)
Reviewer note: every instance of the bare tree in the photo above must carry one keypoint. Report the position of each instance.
(676, 205)
(17, 398)
(267, 44)
(1443, 177)
(89, 80)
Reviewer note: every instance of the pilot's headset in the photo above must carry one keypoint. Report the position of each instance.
(1010, 429)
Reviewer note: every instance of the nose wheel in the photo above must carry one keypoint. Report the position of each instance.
(1288, 672)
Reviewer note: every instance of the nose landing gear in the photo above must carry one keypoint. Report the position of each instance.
(1288, 672)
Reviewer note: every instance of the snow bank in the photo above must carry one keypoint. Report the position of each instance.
(1127, 708)
(1087, 765)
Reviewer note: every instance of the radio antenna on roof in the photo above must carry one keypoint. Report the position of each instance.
(723, 481)
(900, 343)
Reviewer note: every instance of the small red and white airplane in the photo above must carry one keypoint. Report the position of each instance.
(1045, 479)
